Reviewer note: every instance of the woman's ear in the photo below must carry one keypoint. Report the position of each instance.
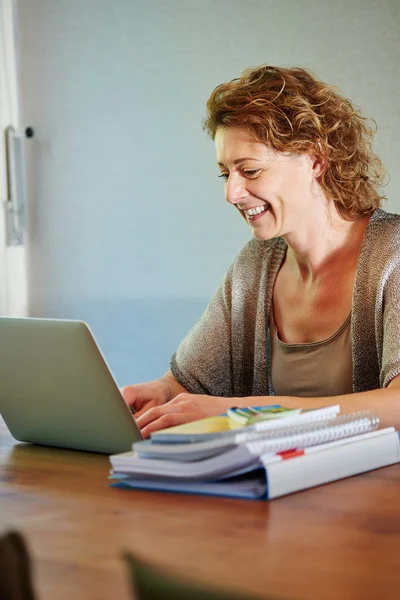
(319, 161)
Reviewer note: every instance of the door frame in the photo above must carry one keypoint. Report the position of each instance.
(13, 269)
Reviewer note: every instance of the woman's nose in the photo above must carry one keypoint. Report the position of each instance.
(235, 189)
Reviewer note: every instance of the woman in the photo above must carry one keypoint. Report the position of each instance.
(308, 311)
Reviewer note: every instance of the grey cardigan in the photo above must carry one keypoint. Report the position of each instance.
(227, 353)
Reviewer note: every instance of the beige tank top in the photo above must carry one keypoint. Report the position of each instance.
(311, 370)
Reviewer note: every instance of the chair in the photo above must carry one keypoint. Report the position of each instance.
(15, 568)
(150, 582)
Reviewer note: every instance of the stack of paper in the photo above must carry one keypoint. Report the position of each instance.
(264, 460)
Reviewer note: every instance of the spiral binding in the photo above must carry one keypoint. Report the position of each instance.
(310, 434)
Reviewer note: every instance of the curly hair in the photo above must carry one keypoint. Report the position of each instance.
(293, 112)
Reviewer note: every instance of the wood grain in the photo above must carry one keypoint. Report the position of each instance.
(338, 541)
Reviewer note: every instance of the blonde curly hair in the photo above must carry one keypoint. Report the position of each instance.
(293, 112)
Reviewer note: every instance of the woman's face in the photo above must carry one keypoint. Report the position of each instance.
(277, 193)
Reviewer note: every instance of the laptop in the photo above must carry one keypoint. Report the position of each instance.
(56, 388)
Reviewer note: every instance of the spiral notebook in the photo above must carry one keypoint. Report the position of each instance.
(222, 426)
(265, 464)
(277, 436)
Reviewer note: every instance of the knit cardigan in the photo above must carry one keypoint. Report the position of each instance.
(227, 353)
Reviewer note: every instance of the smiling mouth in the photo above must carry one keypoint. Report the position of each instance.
(257, 210)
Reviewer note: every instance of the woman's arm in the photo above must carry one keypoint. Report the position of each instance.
(174, 385)
(385, 403)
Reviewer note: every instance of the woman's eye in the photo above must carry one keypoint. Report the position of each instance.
(224, 176)
(252, 172)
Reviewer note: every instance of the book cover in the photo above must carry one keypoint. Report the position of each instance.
(248, 415)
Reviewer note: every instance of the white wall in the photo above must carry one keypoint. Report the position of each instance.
(128, 228)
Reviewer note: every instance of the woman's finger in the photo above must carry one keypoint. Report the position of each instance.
(168, 420)
(156, 412)
(144, 409)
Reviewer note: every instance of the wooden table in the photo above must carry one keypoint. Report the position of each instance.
(339, 541)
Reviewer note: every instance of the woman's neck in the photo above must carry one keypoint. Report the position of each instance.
(329, 243)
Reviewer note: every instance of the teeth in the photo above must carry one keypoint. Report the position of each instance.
(255, 211)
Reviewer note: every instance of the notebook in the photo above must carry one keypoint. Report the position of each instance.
(223, 425)
(196, 450)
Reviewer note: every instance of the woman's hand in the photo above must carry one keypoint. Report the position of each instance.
(182, 409)
(143, 396)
